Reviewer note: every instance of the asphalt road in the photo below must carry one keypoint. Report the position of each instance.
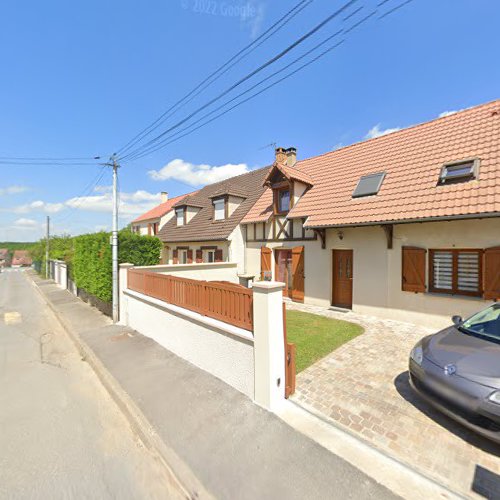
(61, 436)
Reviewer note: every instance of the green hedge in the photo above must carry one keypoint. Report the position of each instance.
(89, 257)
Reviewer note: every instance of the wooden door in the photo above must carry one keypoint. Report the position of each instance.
(298, 274)
(342, 278)
(265, 263)
(283, 270)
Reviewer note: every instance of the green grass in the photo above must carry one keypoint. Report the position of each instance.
(315, 336)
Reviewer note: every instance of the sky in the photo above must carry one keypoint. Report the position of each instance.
(81, 79)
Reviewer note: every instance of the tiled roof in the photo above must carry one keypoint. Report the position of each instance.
(202, 226)
(160, 210)
(21, 258)
(412, 159)
(4, 252)
(291, 173)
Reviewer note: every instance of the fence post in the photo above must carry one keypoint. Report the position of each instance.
(269, 348)
(122, 299)
(64, 275)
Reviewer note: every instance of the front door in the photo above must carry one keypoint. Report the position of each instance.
(342, 278)
(283, 270)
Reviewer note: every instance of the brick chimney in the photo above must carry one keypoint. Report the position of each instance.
(164, 196)
(280, 155)
(291, 156)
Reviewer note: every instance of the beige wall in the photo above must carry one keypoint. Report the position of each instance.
(196, 245)
(377, 270)
(233, 203)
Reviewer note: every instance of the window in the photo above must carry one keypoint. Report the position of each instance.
(283, 200)
(369, 185)
(180, 215)
(459, 171)
(209, 256)
(219, 209)
(457, 272)
(183, 256)
(485, 323)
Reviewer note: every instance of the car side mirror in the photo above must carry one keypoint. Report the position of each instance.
(456, 319)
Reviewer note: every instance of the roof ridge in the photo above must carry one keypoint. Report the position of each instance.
(410, 127)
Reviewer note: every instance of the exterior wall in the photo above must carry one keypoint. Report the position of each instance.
(233, 203)
(236, 248)
(168, 249)
(142, 227)
(219, 271)
(377, 270)
(198, 340)
(190, 213)
(165, 218)
(298, 191)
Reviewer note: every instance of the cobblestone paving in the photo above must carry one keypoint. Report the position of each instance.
(363, 385)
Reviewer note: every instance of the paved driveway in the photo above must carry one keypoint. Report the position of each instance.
(363, 386)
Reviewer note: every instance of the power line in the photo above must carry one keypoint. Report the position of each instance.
(48, 163)
(249, 75)
(48, 159)
(215, 75)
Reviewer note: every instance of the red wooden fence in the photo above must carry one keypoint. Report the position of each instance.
(227, 302)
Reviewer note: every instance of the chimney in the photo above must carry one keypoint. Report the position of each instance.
(291, 156)
(164, 196)
(280, 155)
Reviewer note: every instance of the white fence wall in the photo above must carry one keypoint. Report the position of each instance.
(215, 271)
(59, 273)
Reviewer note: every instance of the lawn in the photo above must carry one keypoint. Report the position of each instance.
(316, 336)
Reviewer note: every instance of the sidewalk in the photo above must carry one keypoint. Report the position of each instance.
(215, 440)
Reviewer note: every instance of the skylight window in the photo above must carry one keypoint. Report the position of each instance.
(459, 171)
(369, 185)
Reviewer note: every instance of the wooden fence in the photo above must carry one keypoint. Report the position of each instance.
(227, 302)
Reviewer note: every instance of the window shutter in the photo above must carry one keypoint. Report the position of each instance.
(149, 229)
(413, 269)
(265, 261)
(189, 256)
(175, 254)
(218, 255)
(199, 256)
(298, 274)
(491, 273)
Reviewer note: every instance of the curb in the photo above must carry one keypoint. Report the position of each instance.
(179, 474)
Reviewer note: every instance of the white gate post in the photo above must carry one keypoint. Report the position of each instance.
(269, 346)
(122, 299)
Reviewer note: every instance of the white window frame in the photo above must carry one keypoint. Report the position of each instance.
(182, 256)
(219, 209)
(207, 254)
(180, 214)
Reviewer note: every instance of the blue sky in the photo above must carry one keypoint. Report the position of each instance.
(82, 78)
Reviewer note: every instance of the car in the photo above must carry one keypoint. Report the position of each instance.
(457, 371)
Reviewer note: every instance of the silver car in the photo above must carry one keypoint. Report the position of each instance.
(458, 371)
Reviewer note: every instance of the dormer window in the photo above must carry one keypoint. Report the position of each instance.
(459, 171)
(220, 209)
(180, 215)
(283, 196)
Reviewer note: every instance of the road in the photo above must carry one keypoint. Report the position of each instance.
(61, 435)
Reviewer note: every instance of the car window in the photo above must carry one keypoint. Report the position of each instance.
(486, 322)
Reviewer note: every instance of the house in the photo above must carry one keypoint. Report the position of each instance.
(21, 258)
(150, 222)
(404, 226)
(4, 257)
(206, 224)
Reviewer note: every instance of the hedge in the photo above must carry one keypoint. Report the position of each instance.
(89, 257)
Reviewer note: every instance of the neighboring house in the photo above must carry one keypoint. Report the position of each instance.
(4, 257)
(150, 222)
(404, 226)
(21, 258)
(206, 224)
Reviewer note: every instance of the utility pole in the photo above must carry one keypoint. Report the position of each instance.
(47, 247)
(114, 240)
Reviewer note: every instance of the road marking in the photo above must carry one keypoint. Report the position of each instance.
(12, 318)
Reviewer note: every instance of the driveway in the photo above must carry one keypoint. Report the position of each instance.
(363, 386)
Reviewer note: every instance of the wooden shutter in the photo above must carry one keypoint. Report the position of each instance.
(265, 261)
(189, 256)
(175, 254)
(491, 273)
(413, 269)
(298, 274)
(149, 229)
(199, 256)
(218, 255)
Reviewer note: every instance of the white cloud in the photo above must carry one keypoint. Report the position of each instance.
(22, 222)
(338, 146)
(448, 113)
(13, 190)
(197, 175)
(376, 131)
(36, 206)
